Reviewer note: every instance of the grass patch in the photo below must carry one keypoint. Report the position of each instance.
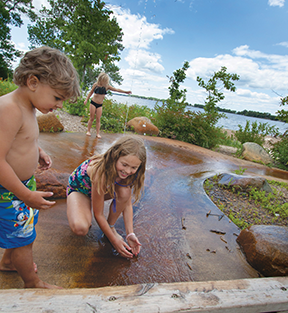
(251, 206)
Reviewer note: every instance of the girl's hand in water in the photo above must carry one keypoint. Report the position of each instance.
(134, 243)
(123, 249)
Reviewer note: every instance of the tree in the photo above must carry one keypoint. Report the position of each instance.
(214, 95)
(282, 115)
(177, 78)
(10, 14)
(84, 30)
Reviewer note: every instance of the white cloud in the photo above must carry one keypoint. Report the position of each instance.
(284, 44)
(256, 69)
(275, 3)
(141, 59)
(38, 4)
(138, 33)
(252, 94)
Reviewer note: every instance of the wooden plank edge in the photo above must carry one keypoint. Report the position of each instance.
(243, 295)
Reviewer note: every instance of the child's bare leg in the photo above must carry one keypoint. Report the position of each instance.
(6, 264)
(98, 124)
(22, 258)
(91, 119)
(79, 213)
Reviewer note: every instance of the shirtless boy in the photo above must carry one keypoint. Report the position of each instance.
(46, 77)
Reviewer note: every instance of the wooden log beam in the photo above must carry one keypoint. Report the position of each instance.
(243, 295)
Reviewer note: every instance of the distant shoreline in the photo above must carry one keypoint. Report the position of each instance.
(248, 113)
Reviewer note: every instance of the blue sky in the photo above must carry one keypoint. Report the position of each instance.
(249, 37)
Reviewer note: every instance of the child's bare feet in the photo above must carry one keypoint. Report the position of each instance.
(11, 268)
(98, 136)
(88, 134)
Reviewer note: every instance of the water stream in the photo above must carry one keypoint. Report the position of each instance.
(170, 222)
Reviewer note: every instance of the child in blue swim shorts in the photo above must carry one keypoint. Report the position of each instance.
(17, 219)
(45, 78)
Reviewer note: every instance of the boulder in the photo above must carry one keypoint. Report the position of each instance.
(229, 179)
(266, 248)
(142, 126)
(226, 150)
(254, 152)
(49, 123)
(52, 180)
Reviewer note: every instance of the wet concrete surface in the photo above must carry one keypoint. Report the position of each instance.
(170, 221)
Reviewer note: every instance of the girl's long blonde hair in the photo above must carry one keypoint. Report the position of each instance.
(103, 80)
(104, 166)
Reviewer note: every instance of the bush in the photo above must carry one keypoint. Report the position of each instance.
(77, 108)
(192, 127)
(280, 152)
(257, 132)
(6, 86)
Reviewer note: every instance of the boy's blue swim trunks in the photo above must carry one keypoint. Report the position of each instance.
(17, 220)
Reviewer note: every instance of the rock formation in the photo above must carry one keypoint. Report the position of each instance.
(49, 123)
(143, 126)
(254, 152)
(266, 248)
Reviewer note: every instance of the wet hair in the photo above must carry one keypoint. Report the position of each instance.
(103, 80)
(51, 67)
(104, 165)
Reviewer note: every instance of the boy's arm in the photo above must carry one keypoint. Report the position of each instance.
(8, 178)
(45, 161)
(119, 90)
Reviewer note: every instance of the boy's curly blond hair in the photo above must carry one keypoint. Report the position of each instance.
(51, 67)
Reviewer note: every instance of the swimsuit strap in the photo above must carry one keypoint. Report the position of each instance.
(114, 199)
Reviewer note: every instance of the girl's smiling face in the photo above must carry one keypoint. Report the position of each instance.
(127, 166)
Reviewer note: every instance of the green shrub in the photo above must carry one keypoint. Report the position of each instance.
(113, 116)
(193, 127)
(257, 132)
(279, 152)
(138, 110)
(6, 86)
(77, 108)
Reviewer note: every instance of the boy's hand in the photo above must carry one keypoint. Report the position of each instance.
(36, 200)
(134, 244)
(45, 161)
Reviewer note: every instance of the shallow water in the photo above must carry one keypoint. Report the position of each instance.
(170, 222)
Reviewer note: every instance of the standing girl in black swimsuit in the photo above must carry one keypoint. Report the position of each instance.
(99, 90)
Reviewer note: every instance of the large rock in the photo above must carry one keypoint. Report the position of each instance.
(52, 180)
(266, 248)
(226, 150)
(254, 152)
(229, 179)
(143, 126)
(49, 123)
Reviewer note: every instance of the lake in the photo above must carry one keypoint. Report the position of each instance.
(231, 122)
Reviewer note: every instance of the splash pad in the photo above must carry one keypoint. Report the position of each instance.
(179, 250)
